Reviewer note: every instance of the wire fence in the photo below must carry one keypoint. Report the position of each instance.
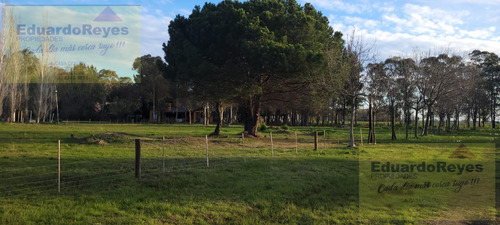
(159, 155)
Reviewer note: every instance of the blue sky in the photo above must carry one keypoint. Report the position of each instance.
(396, 27)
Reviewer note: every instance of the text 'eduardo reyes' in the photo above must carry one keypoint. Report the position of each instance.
(439, 167)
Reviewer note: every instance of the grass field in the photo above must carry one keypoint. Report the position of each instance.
(243, 185)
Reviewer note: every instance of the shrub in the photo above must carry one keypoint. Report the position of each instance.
(284, 127)
(263, 127)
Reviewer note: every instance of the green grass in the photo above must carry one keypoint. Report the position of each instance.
(240, 187)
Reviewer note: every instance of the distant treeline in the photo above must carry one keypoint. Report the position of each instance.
(260, 61)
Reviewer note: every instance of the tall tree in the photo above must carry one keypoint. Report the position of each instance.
(439, 76)
(401, 72)
(375, 90)
(83, 94)
(151, 85)
(356, 54)
(245, 50)
(489, 64)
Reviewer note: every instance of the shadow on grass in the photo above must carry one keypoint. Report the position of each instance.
(261, 185)
(260, 190)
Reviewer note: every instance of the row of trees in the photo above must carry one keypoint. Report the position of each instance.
(444, 85)
(33, 89)
(282, 58)
(82, 92)
(25, 80)
(272, 61)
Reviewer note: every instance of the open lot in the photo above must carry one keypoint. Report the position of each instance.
(243, 185)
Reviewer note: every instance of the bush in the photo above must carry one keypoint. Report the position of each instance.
(263, 127)
(284, 127)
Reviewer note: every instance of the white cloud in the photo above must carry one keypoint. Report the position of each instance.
(479, 33)
(361, 21)
(425, 20)
(398, 43)
(154, 34)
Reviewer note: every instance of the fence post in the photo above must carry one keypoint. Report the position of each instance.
(138, 159)
(206, 145)
(59, 166)
(324, 137)
(315, 140)
(296, 145)
(272, 144)
(163, 152)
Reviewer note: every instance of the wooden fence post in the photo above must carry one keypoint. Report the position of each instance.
(315, 140)
(324, 137)
(138, 159)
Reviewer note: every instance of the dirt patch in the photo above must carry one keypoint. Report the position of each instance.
(104, 138)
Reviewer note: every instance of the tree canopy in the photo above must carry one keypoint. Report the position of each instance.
(248, 51)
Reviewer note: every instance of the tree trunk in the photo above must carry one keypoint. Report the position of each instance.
(252, 115)
(374, 123)
(356, 117)
(305, 119)
(219, 110)
(493, 109)
(468, 118)
(344, 113)
(190, 118)
(448, 122)
(230, 117)
(479, 118)
(407, 122)
(441, 121)
(176, 113)
(351, 130)
(427, 121)
(393, 120)
(26, 99)
(277, 120)
(423, 119)
(416, 122)
(205, 114)
(431, 122)
(371, 130)
(474, 118)
(207, 122)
